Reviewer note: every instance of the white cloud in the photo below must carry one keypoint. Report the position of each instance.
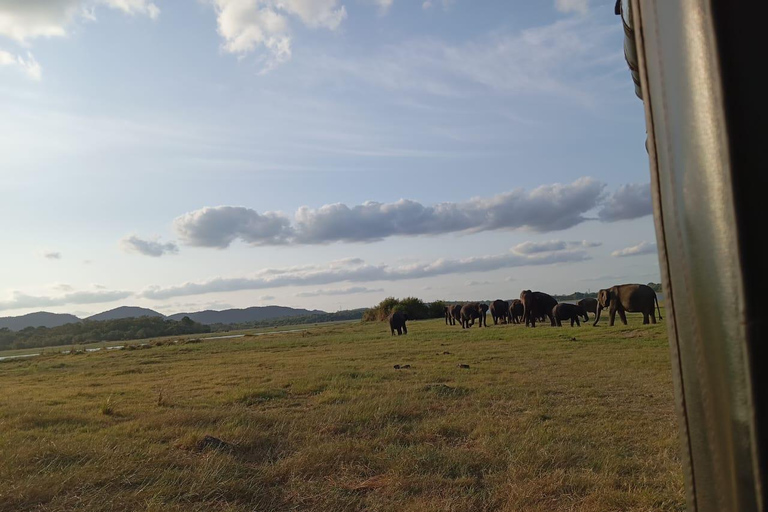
(627, 202)
(546, 208)
(248, 25)
(28, 65)
(21, 300)
(152, 247)
(577, 6)
(220, 226)
(24, 20)
(342, 291)
(264, 298)
(636, 250)
(333, 273)
(51, 255)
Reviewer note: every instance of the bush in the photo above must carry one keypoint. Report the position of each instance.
(415, 308)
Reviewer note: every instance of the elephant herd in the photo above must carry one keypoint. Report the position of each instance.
(534, 307)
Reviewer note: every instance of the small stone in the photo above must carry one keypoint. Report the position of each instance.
(397, 367)
(463, 366)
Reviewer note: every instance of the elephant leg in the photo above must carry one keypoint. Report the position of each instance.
(612, 316)
(405, 329)
(645, 319)
(578, 324)
(623, 316)
(653, 317)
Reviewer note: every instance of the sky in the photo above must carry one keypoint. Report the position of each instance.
(325, 154)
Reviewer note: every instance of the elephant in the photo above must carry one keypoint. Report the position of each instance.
(516, 311)
(472, 311)
(572, 312)
(500, 311)
(456, 313)
(449, 320)
(397, 323)
(634, 298)
(589, 304)
(537, 305)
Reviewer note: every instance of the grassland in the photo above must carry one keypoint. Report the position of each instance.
(543, 419)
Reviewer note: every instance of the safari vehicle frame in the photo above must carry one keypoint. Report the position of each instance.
(695, 64)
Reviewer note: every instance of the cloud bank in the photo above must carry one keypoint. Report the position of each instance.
(544, 209)
(356, 271)
(636, 250)
(21, 300)
(628, 202)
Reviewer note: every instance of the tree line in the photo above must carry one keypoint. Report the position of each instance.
(315, 318)
(92, 331)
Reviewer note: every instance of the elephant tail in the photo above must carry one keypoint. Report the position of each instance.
(656, 298)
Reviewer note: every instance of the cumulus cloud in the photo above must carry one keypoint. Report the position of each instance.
(568, 6)
(153, 248)
(546, 208)
(636, 250)
(21, 300)
(27, 65)
(343, 291)
(221, 225)
(24, 20)
(362, 272)
(248, 25)
(627, 202)
(52, 255)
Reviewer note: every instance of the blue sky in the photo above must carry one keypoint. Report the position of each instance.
(315, 153)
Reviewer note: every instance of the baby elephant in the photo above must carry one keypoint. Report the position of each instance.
(397, 323)
(570, 312)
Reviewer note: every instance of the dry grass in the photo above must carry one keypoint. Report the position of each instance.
(323, 422)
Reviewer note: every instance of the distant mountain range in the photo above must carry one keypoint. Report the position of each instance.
(124, 312)
(240, 316)
(227, 316)
(41, 318)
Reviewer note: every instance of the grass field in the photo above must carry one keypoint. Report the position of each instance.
(543, 419)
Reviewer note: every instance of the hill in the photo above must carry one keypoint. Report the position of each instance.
(39, 319)
(126, 312)
(247, 315)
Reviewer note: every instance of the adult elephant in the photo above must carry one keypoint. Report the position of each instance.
(397, 323)
(471, 312)
(537, 305)
(456, 313)
(633, 298)
(449, 320)
(589, 304)
(572, 312)
(500, 311)
(516, 311)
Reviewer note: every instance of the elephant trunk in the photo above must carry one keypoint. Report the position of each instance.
(597, 315)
